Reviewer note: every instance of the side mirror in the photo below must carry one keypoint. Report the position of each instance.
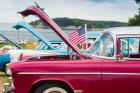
(119, 58)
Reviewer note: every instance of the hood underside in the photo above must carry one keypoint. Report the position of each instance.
(29, 28)
(34, 10)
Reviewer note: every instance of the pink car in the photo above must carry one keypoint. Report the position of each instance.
(112, 65)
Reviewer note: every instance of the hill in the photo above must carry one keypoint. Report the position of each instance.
(74, 23)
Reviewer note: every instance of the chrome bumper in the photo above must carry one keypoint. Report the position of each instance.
(8, 88)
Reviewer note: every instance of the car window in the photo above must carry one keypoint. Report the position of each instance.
(129, 46)
(103, 46)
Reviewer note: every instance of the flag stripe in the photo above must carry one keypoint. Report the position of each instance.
(82, 39)
(78, 36)
(73, 36)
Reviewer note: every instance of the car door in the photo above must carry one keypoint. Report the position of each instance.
(123, 75)
(88, 78)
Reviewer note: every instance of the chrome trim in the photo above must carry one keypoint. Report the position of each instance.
(113, 58)
(60, 73)
(132, 74)
(127, 58)
(78, 91)
(75, 73)
(128, 35)
(114, 46)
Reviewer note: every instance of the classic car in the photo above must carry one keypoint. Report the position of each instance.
(42, 48)
(4, 56)
(104, 69)
(45, 46)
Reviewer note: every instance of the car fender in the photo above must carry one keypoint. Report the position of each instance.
(40, 81)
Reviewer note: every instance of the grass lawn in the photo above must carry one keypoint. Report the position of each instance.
(3, 79)
(24, 46)
(7, 43)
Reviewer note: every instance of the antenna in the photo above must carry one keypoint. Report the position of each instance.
(38, 6)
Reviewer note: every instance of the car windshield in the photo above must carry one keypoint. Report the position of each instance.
(103, 46)
(63, 46)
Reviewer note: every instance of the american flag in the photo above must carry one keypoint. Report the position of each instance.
(78, 36)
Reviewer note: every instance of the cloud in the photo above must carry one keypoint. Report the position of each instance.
(116, 10)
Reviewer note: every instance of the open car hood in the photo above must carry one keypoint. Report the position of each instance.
(14, 43)
(34, 10)
(29, 28)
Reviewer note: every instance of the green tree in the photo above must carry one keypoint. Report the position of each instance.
(137, 1)
(135, 21)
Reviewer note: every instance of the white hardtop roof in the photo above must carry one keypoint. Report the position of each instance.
(124, 30)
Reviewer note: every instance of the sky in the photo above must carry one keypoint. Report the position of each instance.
(107, 10)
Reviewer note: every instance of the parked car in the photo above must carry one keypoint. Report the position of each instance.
(29, 28)
(45, 47)
(4, 56)
(106, 71)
